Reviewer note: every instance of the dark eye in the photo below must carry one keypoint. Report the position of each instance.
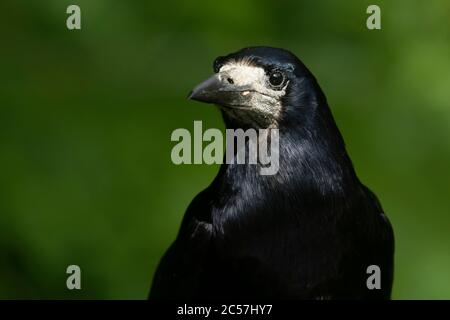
(276, 78)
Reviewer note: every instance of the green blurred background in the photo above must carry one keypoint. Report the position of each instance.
(86, 117)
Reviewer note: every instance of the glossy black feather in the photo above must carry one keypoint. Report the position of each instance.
(308, 232)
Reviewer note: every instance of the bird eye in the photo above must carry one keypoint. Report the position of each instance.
(276, 78)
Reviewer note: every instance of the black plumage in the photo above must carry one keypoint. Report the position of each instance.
(308, 232)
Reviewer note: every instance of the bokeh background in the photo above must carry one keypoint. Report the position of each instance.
(86, 117)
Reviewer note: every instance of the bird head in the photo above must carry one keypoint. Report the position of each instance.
(259, 86)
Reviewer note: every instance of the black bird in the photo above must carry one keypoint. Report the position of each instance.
(310, 231)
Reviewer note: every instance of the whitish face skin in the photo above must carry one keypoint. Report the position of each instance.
(261, 100)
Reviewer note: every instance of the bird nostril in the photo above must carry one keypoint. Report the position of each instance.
(230, 80)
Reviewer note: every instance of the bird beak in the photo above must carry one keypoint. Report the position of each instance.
(218, 91)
